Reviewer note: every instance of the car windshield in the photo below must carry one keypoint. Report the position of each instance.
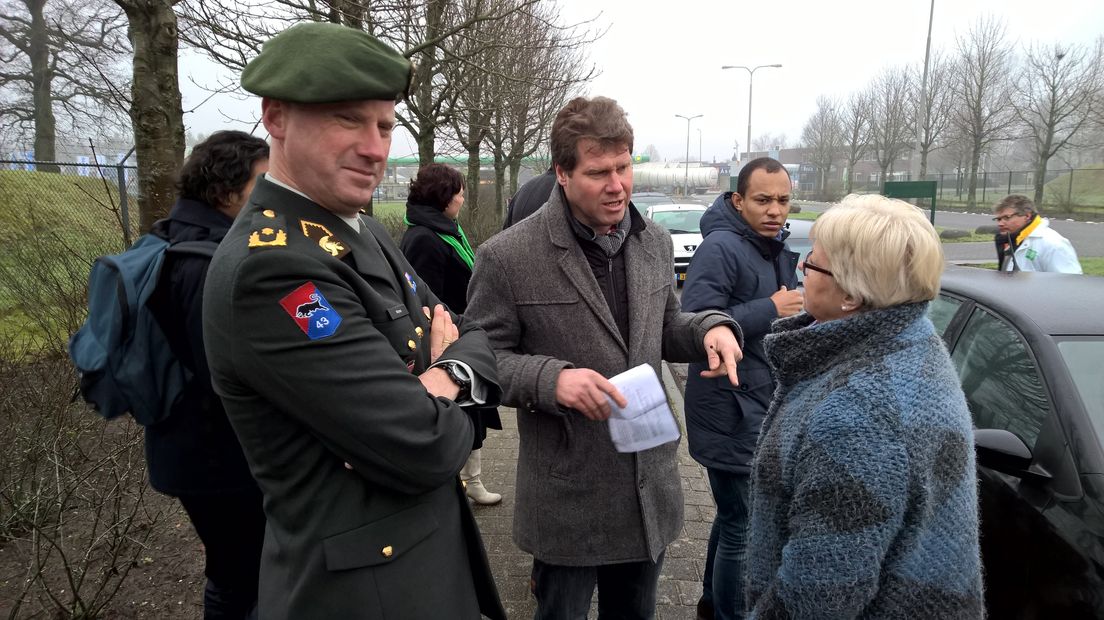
(679, 222)
(646, 201)
(1084, 359)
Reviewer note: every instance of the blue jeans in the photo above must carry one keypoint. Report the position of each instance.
(625, 591)
(723, 581)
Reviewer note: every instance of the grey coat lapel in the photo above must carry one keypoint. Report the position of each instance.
(641, 267)
(575, 266)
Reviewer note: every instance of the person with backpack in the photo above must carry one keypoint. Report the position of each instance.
(193, 453)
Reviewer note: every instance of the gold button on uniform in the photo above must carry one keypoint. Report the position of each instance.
(269, 213)
(419, 331)
(387, 551)
(413, 345)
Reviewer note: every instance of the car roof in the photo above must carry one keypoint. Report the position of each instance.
(682, 206)
(654, 194)
(1058, 304)
(799, 229)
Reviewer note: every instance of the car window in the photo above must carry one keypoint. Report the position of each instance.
(1000, 378)
(679, 221)
(1084, 358)
(941, 310)
(801, 247)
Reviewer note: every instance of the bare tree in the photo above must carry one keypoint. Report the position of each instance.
(823, 136)
(984, 90)
(933, 113)
(61, 61)
(476, 58)
(854, 118)
(769, 141)
(1055, 92)
(155, 109)
(890, 97)
(425, 31)
(547, 66)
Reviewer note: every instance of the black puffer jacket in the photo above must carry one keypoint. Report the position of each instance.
(735, 270)
(194, 451)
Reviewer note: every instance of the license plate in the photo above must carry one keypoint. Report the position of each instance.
(681, 277)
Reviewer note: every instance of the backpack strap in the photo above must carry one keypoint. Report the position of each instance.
(193, 248)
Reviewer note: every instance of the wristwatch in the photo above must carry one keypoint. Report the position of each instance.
(460, 377)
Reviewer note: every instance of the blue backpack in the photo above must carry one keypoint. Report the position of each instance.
(124, 359)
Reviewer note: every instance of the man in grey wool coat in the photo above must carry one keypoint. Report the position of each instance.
(569, 297)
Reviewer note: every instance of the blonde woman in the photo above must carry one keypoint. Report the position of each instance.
(863, 498)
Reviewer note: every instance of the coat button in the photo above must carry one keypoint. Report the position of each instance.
(419, 331)
(269, 213)
(387, 551)
(743, 387)
(413, 345)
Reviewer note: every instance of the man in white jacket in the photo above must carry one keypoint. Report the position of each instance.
(1026, 242)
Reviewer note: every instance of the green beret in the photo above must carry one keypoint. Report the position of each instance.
(318, 62)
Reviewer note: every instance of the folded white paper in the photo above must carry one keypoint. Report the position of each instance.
(647, 422)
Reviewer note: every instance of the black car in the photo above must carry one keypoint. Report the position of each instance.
(1029, 350)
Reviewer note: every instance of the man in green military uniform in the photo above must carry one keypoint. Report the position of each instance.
(340, 372)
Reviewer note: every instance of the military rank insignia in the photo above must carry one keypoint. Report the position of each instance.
(325, 239)
(411, 283)
(311, 312)
(267, 237)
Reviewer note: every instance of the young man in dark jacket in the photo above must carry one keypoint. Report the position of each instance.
(743, 268)
(193, 454)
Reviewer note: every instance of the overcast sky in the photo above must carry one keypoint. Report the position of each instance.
(662, 59)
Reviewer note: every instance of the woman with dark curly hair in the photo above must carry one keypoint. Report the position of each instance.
(193, 454)
(438, 249)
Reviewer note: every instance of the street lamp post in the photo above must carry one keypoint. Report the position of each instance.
(751, 76)
(699, 145)
(686, 162)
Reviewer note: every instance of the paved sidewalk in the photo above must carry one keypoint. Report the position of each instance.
(680, 583)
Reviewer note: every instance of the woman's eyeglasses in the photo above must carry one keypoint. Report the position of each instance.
(806, 265)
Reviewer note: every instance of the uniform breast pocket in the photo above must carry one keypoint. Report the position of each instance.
(381, 542)
(396, 324)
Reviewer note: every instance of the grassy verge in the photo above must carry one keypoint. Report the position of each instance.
(1092, 266)
(971, 238)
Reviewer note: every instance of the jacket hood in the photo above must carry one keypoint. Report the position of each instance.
(721, 215)
(431, 218)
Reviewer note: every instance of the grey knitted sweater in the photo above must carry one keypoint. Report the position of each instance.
(864, 492)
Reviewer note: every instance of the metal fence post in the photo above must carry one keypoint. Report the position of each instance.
(941, 186)
(1009, 182)
(1069, 194)
(123, 207)
(984, 184)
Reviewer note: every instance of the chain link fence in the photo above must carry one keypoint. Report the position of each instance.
(75, 512)
(93, 200)
(1076, 193)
